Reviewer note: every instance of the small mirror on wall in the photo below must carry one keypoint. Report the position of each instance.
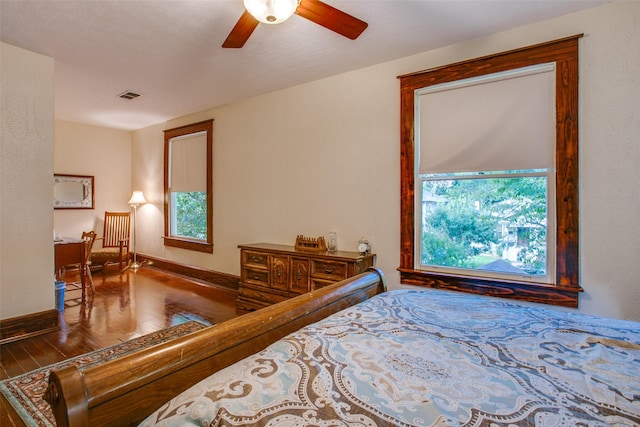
(73, 192)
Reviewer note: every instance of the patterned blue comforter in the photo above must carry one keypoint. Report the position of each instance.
(429, 358)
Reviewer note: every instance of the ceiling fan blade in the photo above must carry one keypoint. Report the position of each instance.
(331, 18)
(241, 32)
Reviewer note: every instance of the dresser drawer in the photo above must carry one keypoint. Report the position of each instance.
(279, 272)
(260, 294)
(258, 277)
(299, 275)
(255, 259)
(244, 306)
(320, 283)
(330, 270)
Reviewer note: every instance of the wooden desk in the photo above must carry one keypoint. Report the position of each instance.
(70, 251)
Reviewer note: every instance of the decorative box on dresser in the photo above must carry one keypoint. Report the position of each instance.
(272, 273)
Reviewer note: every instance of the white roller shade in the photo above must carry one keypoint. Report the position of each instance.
(189, 163)
(502, 121)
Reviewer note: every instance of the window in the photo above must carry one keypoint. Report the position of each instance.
(188, 187)
(478, 212)
(491, 224)
(490, 145)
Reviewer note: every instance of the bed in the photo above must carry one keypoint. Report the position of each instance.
(354, 354)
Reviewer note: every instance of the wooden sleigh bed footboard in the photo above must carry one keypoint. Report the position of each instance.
(124, 391)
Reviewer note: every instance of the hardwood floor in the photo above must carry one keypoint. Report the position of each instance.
(124, 306)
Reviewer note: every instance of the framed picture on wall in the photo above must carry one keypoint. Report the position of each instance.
(73, 192)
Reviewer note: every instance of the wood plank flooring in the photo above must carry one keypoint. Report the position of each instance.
(124, 306)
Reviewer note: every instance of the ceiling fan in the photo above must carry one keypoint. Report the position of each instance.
(276, 11)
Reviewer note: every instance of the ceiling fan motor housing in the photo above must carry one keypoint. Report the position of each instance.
(271, 11)
(276, 11)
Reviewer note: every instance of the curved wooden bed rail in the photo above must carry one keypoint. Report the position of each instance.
(126, 390)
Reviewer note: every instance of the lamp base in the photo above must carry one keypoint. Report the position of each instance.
(135, 265)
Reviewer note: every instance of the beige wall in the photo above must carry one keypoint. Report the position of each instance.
(26, 192)
(325, 156)
(90, 150)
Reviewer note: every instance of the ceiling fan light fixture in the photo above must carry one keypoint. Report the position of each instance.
(271, 11)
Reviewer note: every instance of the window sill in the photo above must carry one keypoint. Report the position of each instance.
(540, 293)
(189, 244)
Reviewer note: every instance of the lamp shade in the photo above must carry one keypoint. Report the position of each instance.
(137, 198)
(271, 11)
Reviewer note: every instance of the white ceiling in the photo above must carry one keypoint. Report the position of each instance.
(169, 50)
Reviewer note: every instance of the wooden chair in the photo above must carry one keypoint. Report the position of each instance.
(84, 271)
(89, 238)
(115, 241)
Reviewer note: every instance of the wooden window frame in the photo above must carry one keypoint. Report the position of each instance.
(181, 242)
(565, 291)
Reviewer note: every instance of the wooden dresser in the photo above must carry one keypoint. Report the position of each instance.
(272, 273)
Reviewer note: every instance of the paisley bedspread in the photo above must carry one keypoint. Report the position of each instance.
(429, 358)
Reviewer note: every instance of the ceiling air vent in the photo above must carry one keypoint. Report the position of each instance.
(128, 95)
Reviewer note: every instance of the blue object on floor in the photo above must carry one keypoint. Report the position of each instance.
(60, 287)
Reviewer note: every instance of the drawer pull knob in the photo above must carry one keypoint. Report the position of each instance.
(256, 277)
(329, 270)
(256, 258)
(299, 275)
(278, 272)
